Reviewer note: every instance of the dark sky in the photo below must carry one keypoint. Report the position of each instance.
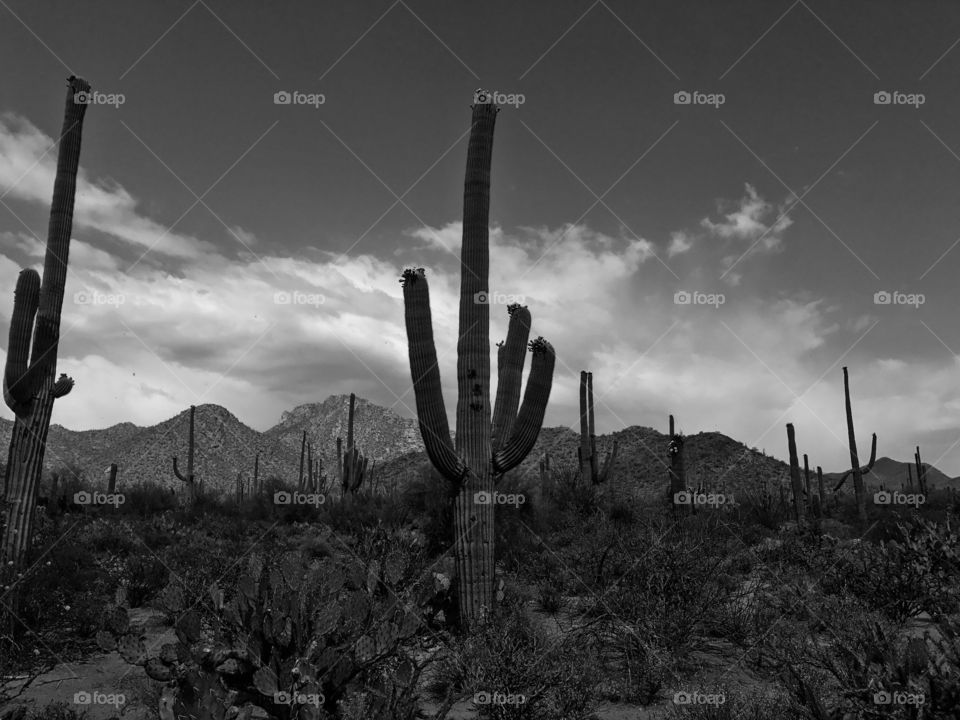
(783, 199)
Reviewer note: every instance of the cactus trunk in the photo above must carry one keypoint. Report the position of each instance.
(29, 387)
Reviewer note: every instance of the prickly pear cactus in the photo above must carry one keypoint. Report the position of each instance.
(296, 637)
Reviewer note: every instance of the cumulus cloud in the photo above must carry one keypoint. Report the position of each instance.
(754, 220)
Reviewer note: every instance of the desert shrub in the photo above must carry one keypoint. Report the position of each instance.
(920, 572)
(509, 657)
(148, 498)
(143, 577)
(756, 706)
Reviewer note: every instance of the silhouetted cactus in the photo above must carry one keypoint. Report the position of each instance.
(112, 479)
(795, 484)
(677, 472)
(303, 448)
(858, 489)
(189, 479)
(590, 467)
(482, 453)
(921, 472)
(29, 387)
(354, 462)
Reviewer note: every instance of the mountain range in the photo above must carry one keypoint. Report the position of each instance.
(226, 446)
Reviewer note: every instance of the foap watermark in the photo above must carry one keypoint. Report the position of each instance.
(282, 497)
(685, 297)
(898, 697)
(298, 698)
(298, 298)
(86, 697)
(92, 97)
(695, 697)
(887, 497)
(499, 498)
(883, 297)
(895, 97)
(92, 297)
(98, 498)
(485, 97)
(295, 97)
(499, 698)
(497, 298)
(685, 497)
(685, 97)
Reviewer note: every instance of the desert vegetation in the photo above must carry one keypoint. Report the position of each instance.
(469, 589)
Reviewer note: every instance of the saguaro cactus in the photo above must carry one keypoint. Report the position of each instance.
(354, 462)
(112, 479)
(677, 472)
(189, 479)
(303, 448)
(486, 446)
(821, 499)
(921, 473)
(256, 476)
(858, 489)
(590, 467)
(794, 474)
(29, 387)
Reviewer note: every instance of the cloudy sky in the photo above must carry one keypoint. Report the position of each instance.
(779, 201)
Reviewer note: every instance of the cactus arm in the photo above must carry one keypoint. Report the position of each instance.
(17, 393)
(511, 357)
(62, 386)
(176, 471)
(530, 419)
(866, 468)
(431, 413)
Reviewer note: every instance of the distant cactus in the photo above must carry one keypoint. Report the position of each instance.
(29, 384)
(590, 466)
(858, 472)
(921, 472)
(189, 479)
(677, 472)
(795, 484)
(112, 479)
(303, 448)
(354, 462)
(486, 446)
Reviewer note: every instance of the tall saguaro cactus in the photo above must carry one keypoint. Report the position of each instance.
(858, 489)
(590, 467)
(189, 479)
(795, 484)
(29, 387)
(486, 446)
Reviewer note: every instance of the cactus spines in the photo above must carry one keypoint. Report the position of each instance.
(795, 484)
(29, 385)
(472, 464)
(189, 479)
